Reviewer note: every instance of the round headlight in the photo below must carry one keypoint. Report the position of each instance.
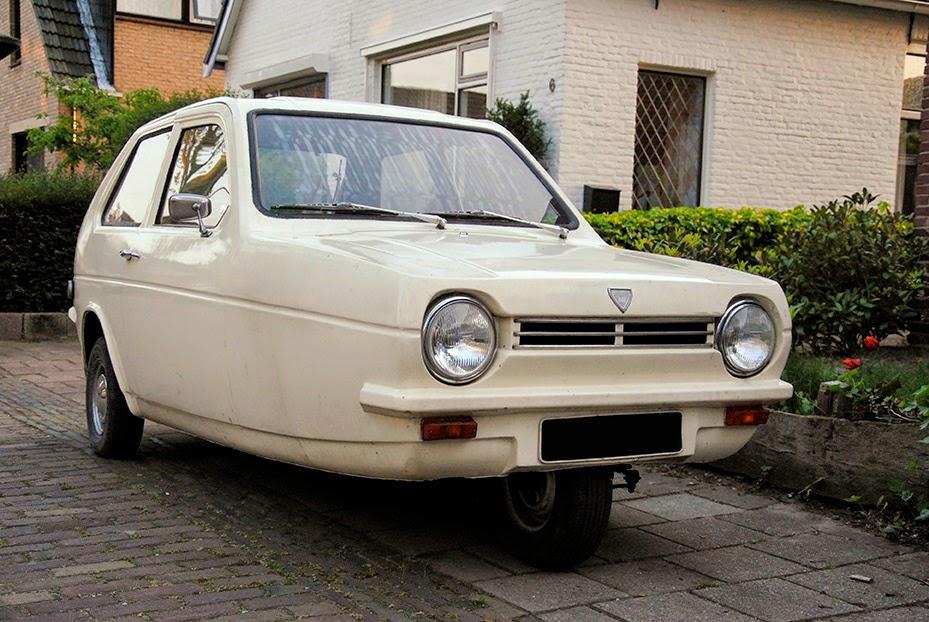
(746, 338)
(459, 339)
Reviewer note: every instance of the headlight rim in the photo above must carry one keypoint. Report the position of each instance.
(434, 369)
(734, 308)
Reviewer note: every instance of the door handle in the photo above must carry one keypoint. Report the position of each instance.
(129, 255)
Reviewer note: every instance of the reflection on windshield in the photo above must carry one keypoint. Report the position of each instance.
(399, 166)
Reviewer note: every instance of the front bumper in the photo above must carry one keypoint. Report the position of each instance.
(439, 401)
(509, 423)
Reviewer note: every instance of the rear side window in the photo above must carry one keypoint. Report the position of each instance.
(139, 178)
(200, 167)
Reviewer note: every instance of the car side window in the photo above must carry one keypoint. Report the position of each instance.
(200, 167)
(128, 204)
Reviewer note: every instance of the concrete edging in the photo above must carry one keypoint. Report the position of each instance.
(35, 326)
(835, 458)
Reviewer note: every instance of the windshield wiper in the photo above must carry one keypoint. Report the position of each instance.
(560, 231)
(360, 208)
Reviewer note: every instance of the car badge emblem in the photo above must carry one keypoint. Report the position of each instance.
(622, 298)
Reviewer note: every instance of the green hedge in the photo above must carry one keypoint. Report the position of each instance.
(726, 237)
(849, 270)
(40, 215)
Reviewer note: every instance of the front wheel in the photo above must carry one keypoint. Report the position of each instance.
(113, 430)
(556, 520)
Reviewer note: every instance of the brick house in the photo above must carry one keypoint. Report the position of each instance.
(121, 44)
(647, 102)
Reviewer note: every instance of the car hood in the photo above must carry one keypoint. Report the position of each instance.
(528, 271)
(466, 254)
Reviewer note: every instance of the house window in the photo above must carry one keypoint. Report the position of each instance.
(188, 11)
(668, 140)
(312, 86)
(205, 11)
(452, 79)
(914, 69)
(16, 31)
(23, 161)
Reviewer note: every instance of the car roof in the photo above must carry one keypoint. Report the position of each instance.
(242, 106)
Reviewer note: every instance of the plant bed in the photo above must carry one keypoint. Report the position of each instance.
(835, 458)
(855, 429)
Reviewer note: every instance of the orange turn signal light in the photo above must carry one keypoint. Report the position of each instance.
(746, 415)
(446, 428)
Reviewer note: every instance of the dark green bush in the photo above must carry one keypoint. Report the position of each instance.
(848, 270)
(523, 121)
(40, 215)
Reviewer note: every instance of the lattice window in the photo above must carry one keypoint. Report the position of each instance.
(668, 140)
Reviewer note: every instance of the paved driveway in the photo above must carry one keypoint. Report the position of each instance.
(193, 531)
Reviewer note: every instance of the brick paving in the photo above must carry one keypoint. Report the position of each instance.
(193, 531)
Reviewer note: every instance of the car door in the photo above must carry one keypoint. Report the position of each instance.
(110, 265)
(176, 314)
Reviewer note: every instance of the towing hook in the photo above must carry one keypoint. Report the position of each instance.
(630, 475)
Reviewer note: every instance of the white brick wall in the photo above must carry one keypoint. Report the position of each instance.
(529, 46)
(803, 95)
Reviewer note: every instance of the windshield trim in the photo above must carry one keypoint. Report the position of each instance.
(560, 205)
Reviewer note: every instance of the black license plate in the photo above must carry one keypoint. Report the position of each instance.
(610, 436)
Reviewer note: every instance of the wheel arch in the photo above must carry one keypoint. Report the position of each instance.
(94, 324)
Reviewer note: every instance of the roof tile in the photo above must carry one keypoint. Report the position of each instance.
(65, 38)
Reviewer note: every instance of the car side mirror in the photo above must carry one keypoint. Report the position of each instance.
(184, 206)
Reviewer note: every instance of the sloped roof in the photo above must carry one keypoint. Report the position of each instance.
(66, 43)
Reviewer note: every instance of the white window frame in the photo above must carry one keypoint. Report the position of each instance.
(707, 71)
(461, 82)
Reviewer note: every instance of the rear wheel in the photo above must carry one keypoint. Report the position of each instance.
(556, 520)
(113, 430)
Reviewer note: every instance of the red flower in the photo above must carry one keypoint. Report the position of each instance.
(851, 363)
(871, 342)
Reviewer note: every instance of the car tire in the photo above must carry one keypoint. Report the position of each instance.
(556, 520)
(113, 430)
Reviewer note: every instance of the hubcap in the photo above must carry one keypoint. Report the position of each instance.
(530, 497)
(98, 403)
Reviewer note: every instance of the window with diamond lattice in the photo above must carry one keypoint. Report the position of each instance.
(668, 140)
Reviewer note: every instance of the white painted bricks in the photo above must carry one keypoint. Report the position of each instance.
(803, 100)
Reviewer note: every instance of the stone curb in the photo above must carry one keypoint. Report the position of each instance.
(833, 457)
(35, 326)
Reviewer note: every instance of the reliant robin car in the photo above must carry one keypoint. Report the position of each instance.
(397, 293)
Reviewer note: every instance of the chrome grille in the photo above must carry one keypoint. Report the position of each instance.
(613, 333)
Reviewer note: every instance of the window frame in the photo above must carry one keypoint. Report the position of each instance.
(16, 31)
(459, 45)
(705, 122)
(188, 16)
(906, 114)
(118, 184)
(561, 203)
(193, 124)
(315, 78)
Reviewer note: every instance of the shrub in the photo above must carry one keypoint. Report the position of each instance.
(847, 271)
(732, 238)
(105, 121)
(850, 272)
(40, 215)
(523, 121)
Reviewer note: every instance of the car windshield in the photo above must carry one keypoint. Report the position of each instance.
(311, 160)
